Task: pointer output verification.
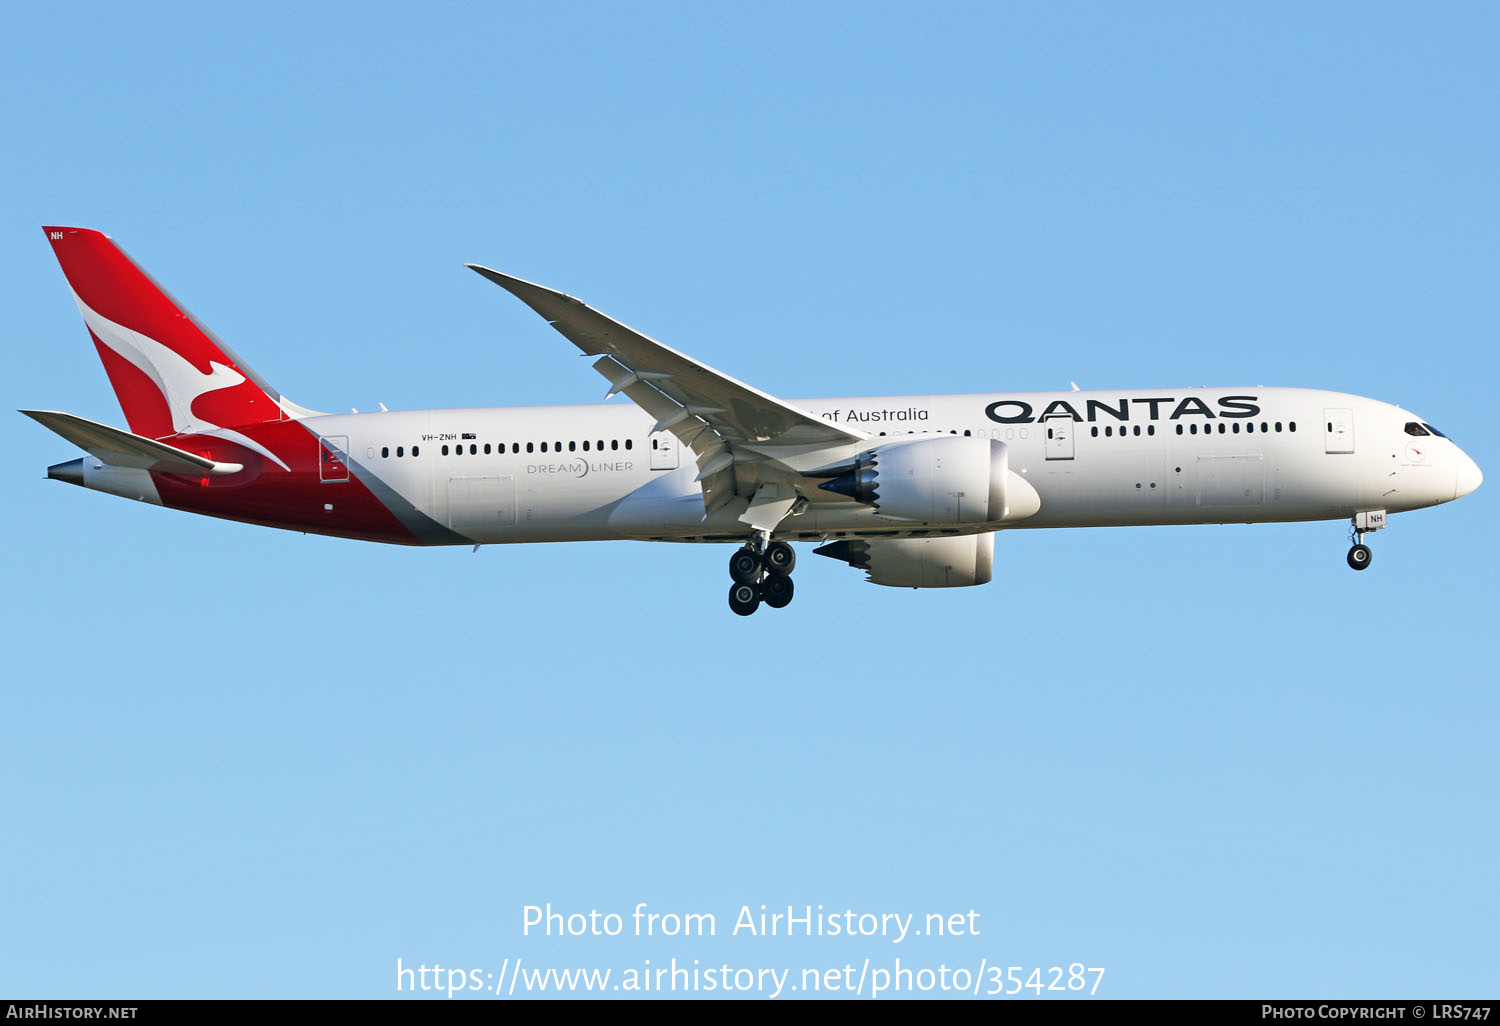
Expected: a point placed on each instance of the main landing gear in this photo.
(1360, 555)
(761, 573)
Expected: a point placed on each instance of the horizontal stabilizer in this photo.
(123, 449)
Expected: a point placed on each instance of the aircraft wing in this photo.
(123, 449)
(728, 424)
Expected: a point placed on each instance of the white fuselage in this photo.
(1170, 456)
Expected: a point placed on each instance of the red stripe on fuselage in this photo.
(265, 494)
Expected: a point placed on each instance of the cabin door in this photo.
(1059, 439)
(1338, 431)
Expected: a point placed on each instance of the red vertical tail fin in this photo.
(170, 373)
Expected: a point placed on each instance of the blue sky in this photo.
(1211, 760)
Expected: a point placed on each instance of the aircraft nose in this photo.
(1468, 476)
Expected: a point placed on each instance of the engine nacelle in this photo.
(919, 562)
(950, 479)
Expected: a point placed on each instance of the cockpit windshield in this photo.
(1413, 428)
(1434, 430)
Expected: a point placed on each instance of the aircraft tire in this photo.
(744, 566)
(744, 598)
(777, 591)
(780, 558)
(1359, 557)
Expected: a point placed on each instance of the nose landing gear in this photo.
(761, 573)
(1360, 555)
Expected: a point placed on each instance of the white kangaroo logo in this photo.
(179, 381)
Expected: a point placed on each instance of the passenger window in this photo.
(572, 446)
(531, 447)
(585, 445)
(614, 443)
(653, 443)
(1236, 427)
(486, 448)
(399, 451)
(1192, 429)
(1150, 429)
(473, 450)
(1094, 431)
(416, 451)
(385, 452)
(1291, 425)
(629, 443)
(1278, 426)
(445, 450)
(1179, 429)
(1138, 431)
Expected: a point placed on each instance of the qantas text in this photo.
(1018, 411)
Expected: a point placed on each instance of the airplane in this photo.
(910, 489)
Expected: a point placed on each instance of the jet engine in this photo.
(959, 562)
(950, 479)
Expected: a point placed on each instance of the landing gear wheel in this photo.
(780, 558)
(744, 599)
(744, 567)
(1359, 557)
(777, 591)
